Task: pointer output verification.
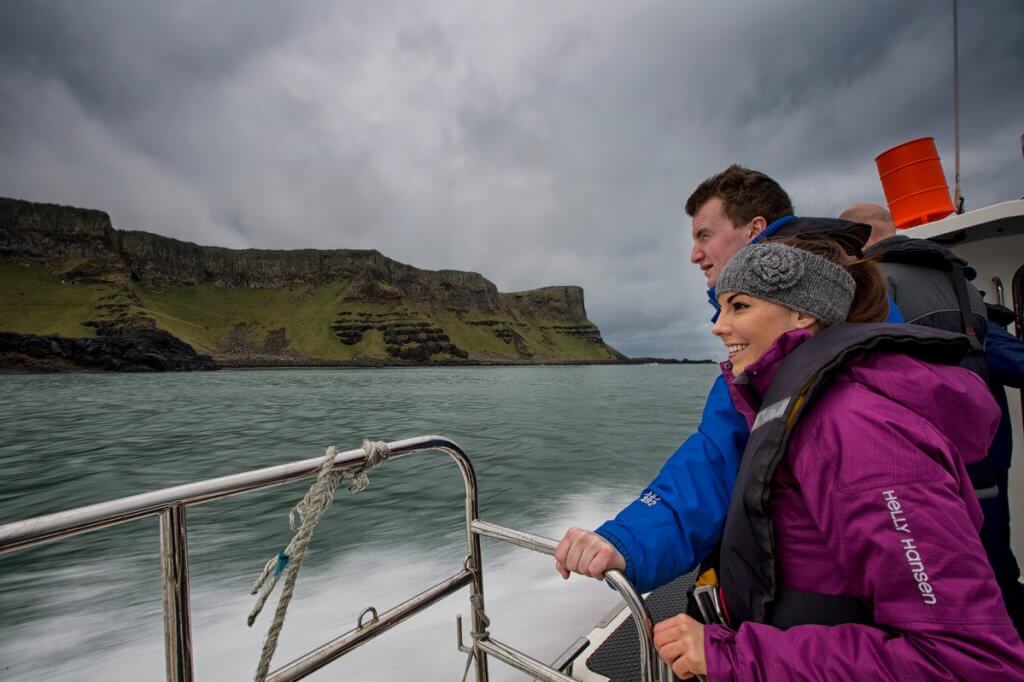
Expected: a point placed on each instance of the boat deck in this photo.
(618, 657)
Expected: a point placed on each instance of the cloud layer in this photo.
(536, 143)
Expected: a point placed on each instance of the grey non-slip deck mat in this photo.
(619, 657)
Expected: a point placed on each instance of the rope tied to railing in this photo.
(302, 519)
(476, 601)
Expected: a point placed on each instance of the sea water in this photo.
(552, 447)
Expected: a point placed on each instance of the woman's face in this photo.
(749, 325)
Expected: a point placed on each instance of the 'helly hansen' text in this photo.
(914, 560)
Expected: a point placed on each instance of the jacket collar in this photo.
(751, 384)
(773, 227)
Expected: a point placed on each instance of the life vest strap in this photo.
(796, 607)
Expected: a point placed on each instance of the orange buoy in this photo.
(914, 184)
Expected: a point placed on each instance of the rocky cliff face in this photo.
(566, 301)
(37, 233)
(378, 308)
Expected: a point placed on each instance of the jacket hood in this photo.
(921, 252)
(952, 400)
(851, 235)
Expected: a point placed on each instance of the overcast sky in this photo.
(538, 143)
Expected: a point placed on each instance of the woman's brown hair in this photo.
(871, 298)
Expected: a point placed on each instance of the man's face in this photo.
(716, 239)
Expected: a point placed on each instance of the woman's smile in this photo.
(735, 348)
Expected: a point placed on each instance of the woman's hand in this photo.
(680, 643)
(586, 553)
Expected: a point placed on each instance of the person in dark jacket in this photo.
(924, 278)
(870, 501)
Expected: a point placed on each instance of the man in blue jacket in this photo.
(678, 519)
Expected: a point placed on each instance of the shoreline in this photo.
(154, 350)
(553, 363)
(53, 369)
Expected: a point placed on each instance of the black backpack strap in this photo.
(956, 273)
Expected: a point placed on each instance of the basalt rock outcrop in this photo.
(405, 337)
(152, 351)
(316, 307)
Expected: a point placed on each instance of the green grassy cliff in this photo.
(68, 272)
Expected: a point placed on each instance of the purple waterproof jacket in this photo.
(872, 500)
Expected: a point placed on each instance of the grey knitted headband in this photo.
(791, 277)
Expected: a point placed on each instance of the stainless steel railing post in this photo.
(476, 593)
(174, 576)
(474, 562)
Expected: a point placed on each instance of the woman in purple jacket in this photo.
(868, 503)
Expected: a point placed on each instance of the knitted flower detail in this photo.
(777, 267)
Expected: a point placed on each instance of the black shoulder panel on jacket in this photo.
(852, 236)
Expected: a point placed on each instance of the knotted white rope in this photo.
(308, 511)
(477, 604)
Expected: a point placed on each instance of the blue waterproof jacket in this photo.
(678, 519)
(1004, 354)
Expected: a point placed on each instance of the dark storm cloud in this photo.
(537, 143)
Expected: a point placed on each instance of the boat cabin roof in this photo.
(984, 223)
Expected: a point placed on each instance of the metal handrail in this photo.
(72, 522)
(1000, 295)
(171, 504)
(633, 600)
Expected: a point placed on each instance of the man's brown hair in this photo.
(745, 194)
